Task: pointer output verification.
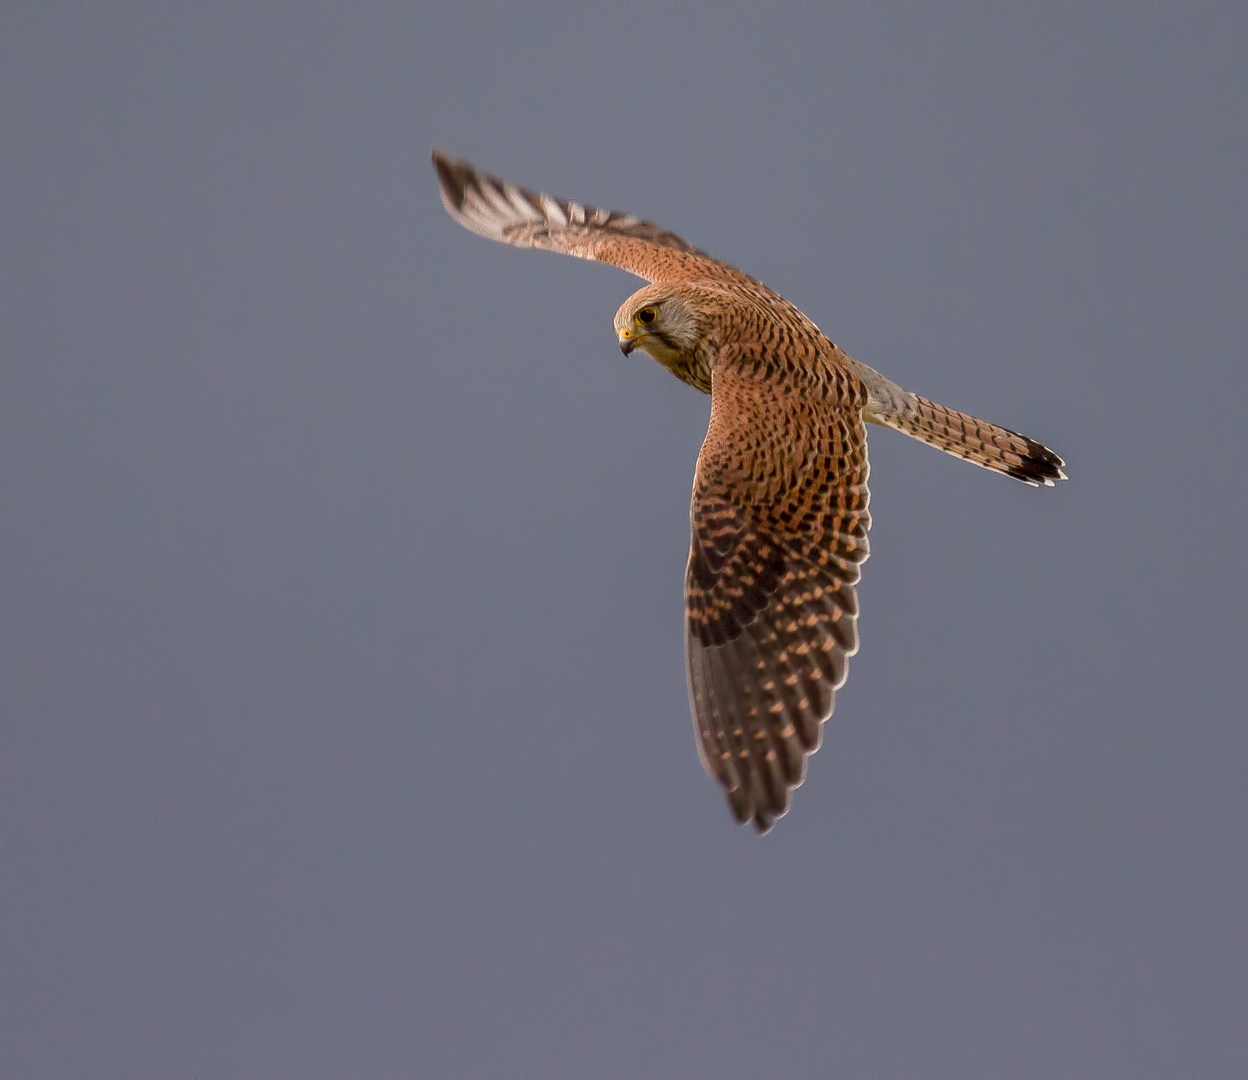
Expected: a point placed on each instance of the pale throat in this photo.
(688, 365)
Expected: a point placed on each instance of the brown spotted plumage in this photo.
(779, 514)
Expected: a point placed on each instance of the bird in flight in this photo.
(779, 513)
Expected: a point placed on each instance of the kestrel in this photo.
(779, 513)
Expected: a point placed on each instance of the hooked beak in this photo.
(628, 341)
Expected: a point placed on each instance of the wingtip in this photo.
(441, 161)
(438, 154)
(452, 179)
(444, 162)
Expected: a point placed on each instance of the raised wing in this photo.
(498, 210)
(779, 531)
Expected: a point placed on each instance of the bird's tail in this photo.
(979, 442)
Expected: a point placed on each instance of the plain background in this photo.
(346, 728)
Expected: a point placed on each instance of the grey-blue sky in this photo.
(347, 726)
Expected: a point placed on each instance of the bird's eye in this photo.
(646, 315)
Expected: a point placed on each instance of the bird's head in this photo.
(660, 321)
